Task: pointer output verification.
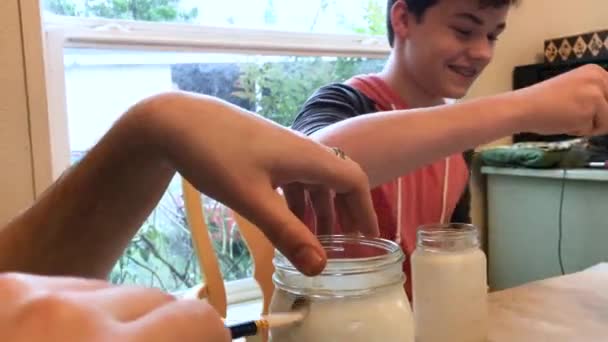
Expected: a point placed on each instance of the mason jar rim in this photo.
(391, 254)
(346, 273)
(430, 234)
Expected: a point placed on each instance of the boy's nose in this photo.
(481, 50)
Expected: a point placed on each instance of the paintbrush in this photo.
(274, 320)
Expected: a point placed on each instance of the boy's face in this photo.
(453, 42)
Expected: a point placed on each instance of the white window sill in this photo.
(244, 297)
(244, 300)
(243, 290)
(244, 311)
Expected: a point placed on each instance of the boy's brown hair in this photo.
(419, 7)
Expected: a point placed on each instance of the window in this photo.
(318, 16)
(104, 66)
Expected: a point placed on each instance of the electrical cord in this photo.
(560, 232)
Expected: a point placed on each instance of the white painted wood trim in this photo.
(48, 147)
(195, 38)
(57, 103)
(33, 53)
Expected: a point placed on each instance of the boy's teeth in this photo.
(464, 71)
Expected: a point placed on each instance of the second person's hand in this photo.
(58, 309)
(241, 159)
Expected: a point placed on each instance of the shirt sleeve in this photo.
(330, 104)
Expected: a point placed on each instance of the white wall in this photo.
(522, 43)
(16, 177)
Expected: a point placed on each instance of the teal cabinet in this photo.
(523, 213)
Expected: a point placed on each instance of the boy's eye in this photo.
(462, 32)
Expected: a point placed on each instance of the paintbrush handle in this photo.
(243, 329)
(251, 328)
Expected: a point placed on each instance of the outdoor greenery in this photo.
(147, 10)
(280, 88)
(162, 254)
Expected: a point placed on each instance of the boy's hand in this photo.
(574, 103)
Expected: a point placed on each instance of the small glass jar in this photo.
(359, 295)
(449, 284)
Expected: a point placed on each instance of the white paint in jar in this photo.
(358, 297)
(449, 284)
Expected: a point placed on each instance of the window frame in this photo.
(62, 32)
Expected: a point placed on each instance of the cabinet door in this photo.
(524, 227)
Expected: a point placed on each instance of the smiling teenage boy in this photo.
(439, 48)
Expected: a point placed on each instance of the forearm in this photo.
(83, 222)
(390, 144)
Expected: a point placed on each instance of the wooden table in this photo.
(567, 308)
(571, 308)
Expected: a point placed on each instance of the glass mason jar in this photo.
(449, 284)
(359, 295)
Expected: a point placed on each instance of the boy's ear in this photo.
(400, 19)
